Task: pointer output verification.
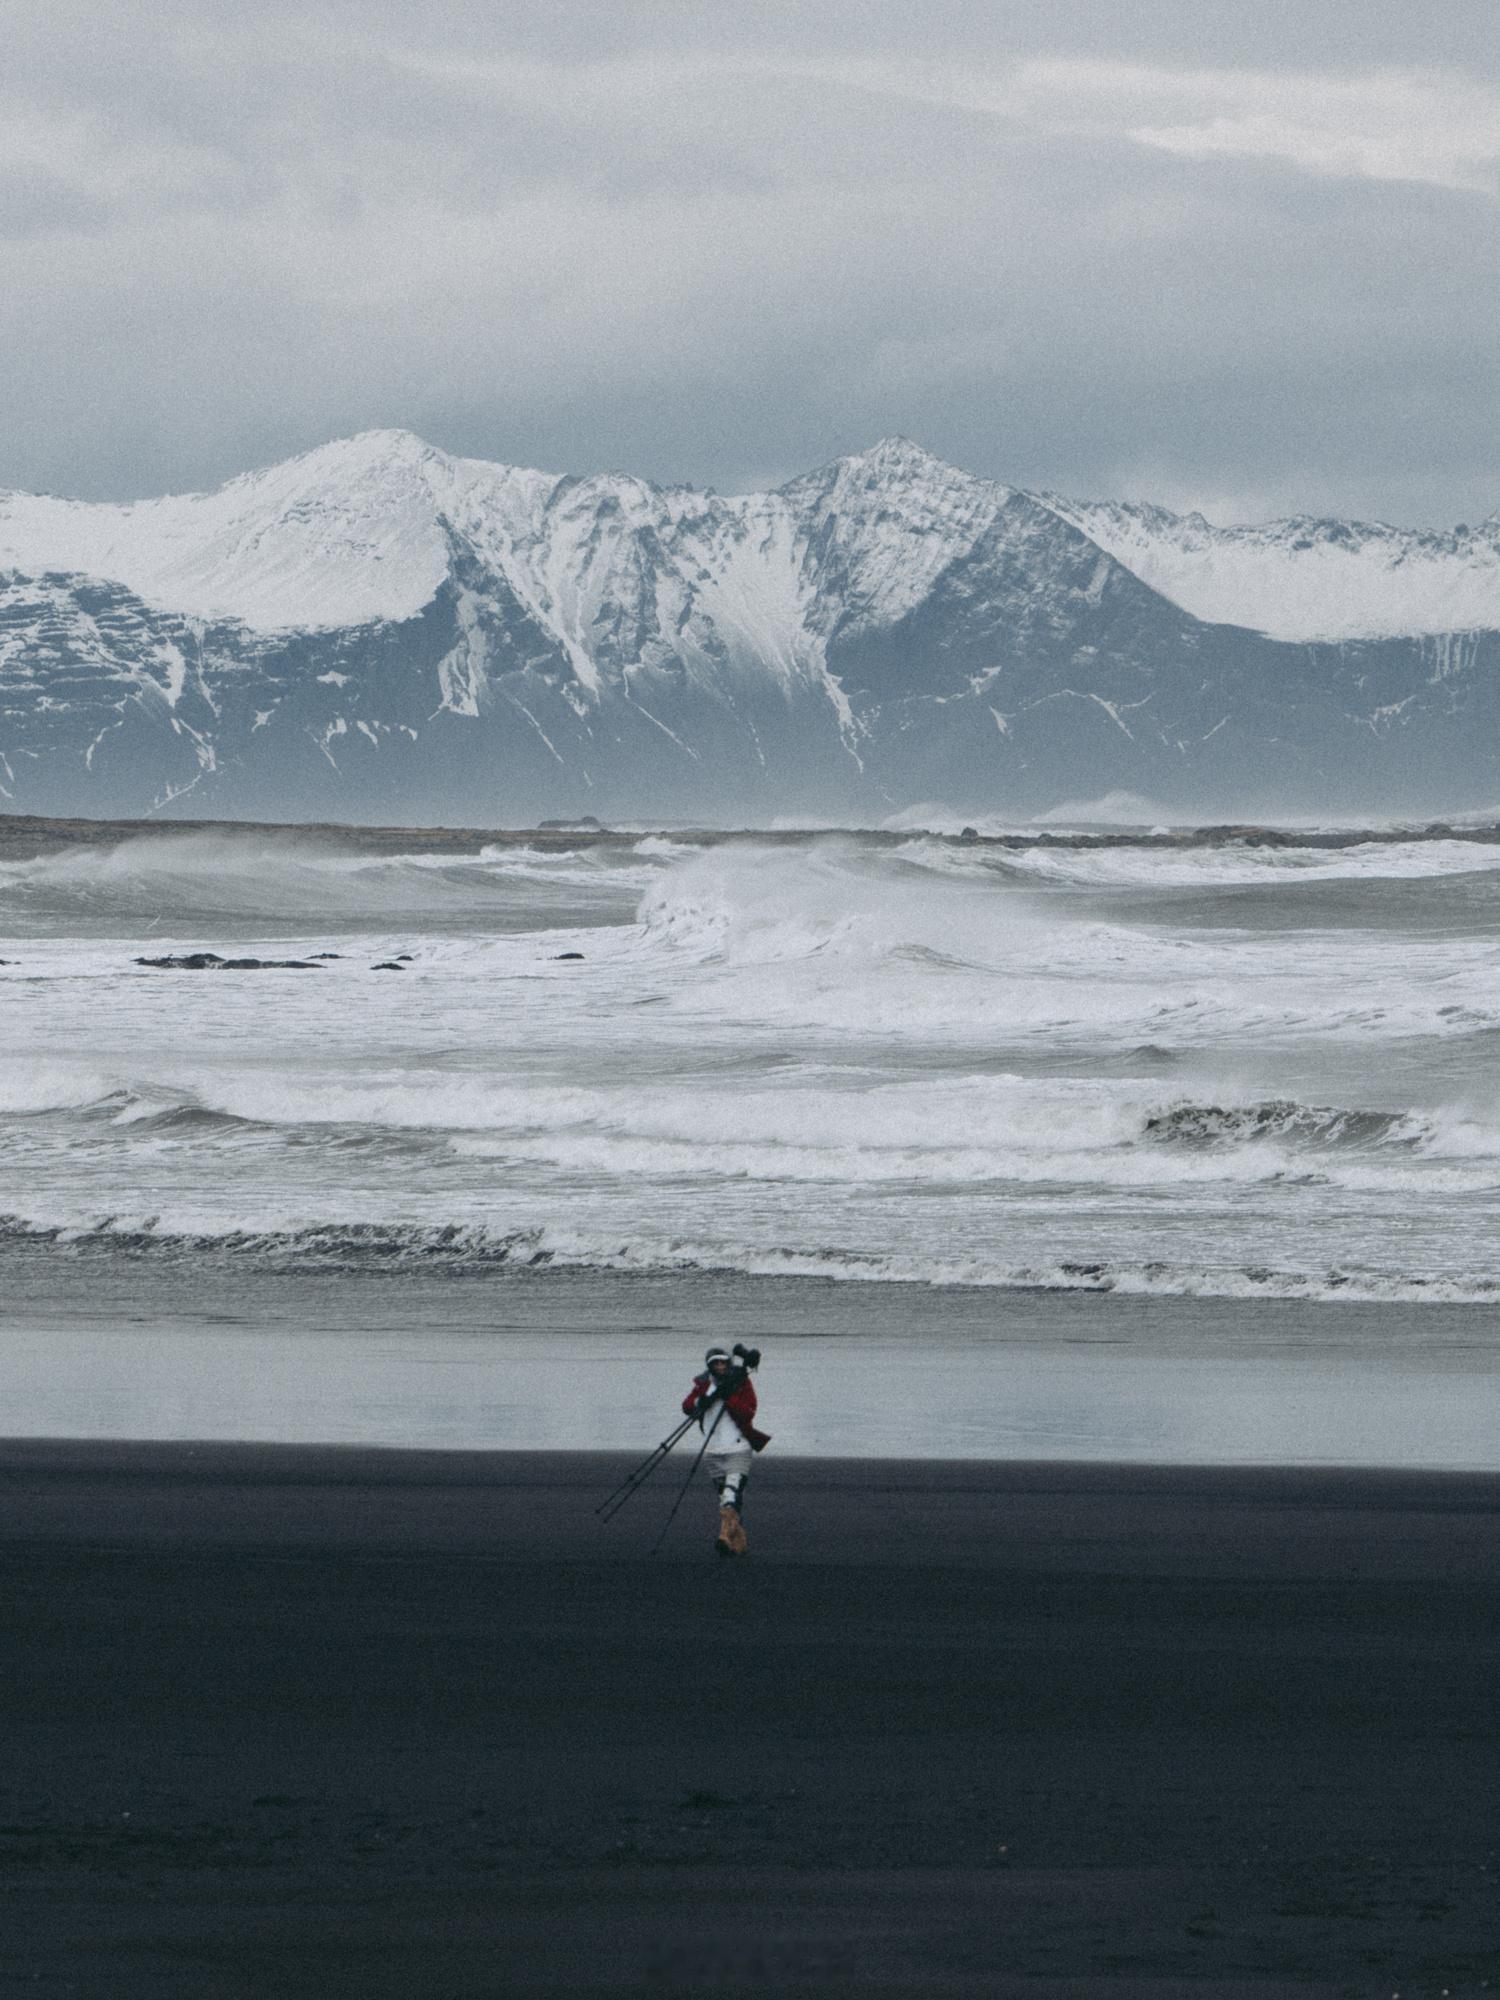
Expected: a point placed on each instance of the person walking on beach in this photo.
(723, 1401)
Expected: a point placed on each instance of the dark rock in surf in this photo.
(210, 961)
(388, 965)
(568, 954)
(969, 833)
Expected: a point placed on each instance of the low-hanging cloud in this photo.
(1064, 256)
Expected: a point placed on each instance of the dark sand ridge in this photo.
(290, 1721)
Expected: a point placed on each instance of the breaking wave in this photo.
(1283, 1121)
(461, 1250)
(1220, 865)
(898, 1060)
(1131, 1131)
(297, 879)
(939, 940)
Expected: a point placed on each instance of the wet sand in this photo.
(288, 1720)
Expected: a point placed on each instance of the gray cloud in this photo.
(1238, 266)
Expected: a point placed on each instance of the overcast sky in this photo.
(1232, 254)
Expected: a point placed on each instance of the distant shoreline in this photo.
(23, 835)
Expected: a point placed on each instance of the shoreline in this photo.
(130, 1347)
(336, 1721)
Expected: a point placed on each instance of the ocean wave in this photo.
(661, 847)
(471, 1250)
(932, 940)
(1124, 810)
(944, 1131)
(710, 899)
(31, 1090)
(301, 878)
(832, 900)
(1227, 865)
(908, 1052)
(1284, 1121)
(310, 1246)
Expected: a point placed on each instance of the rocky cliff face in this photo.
(380, 631)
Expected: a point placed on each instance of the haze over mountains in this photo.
(379, 631)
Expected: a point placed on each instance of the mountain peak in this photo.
(359, 530)
(366, 451)
(359, 628)
(899, 454)
(896, 463)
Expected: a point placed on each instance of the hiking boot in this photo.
(728, 1522)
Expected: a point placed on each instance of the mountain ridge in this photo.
(378, 626)
(1385, 590)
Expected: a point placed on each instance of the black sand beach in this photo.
(288, 1720)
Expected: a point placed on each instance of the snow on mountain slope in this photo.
(1306, 580)
(341, 536)
(621, 570)
(379, 630)
(620, 574)
(883, 525)
(366, 529)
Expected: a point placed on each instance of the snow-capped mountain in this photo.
(1305, 579)
(378, 629)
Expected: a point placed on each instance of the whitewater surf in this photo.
(1260, 1072)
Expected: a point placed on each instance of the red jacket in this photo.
(741, 1406)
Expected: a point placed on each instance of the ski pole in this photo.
(611, 1505)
